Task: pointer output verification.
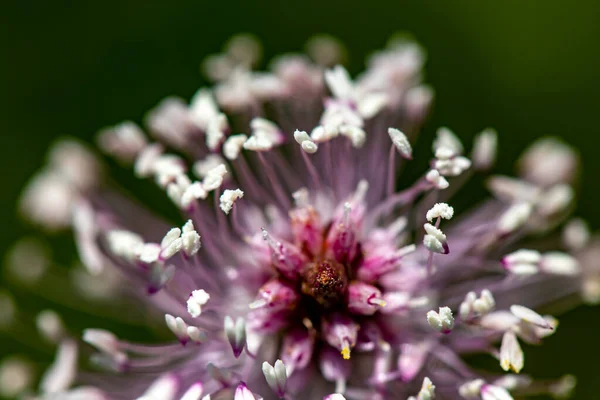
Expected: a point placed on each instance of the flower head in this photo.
(296, 255)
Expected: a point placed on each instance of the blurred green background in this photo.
(526, 68)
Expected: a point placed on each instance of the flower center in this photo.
(326, 281)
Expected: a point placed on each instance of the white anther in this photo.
(124, 141)
(514, 218)
(190, 239)
(446, 138)
(194, 392)
(309, 146)
(276, 376)
(228, 198)
(452, 166)
(103, 340)
(492, 392)
(339, 83)
(333, 396)
(243, 393)
(485, 148)
(477, 306)
(254, 143)
(61, 374)
(559, 263)
(549, 161)
(401, 142)
(427, 391)
(440, 210)
(441, 321)
(194, 192)
(176, 190)
(203, 167)
(170, 245)
(511, 355)
(300, 136)
(214, 178)
(236, 334)
(50, 326)
(265, 129)
(124, 244)
(530, 316)
(165, 387)
(197, 299)
(196, 334)
(576, 234)
(177, 325)
(435, 240)
(215, 132)
(470, 390)
(322, 134)
(203, 108)
(370, 104)
(168, 168)
(301, 198)
(438, 181)
(233, 146)
(356, 135)
(555, 200)
(523, 256)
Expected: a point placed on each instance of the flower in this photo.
(296, 256)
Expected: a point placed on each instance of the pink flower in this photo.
(297, 269)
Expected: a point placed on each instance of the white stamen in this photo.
(194, 392)
(511, 355)
(194, 192)
(203, 108)
(215, 132)
(236, 334)
(254, 143)
(492, 392)
(441, 321)
(339, 82)
(124, 141)
(559, 263)
(196, 335)
(356, 135)
(61, 374)
(276, 376)
(440, 210)
(177, 326)
(438, 181)
(301, 197)
(370, 104)
(197, 299)
(263, 128)
(214, 178)
(124, 244)
(484, 149)
(529, 316)
(309, 146)
(576, 234)
(233, 146)
(190, 239)
(470, 390)
(50, 326)
(447, 138)
(102, 340)
(401, 142)
(427, 391)
(163, 388)
(322, 134)
(514, 218)
(301, 136)
(228, 198)
(555, 200)
(435, 240)
(205, 166)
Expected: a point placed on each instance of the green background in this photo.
(526, 68)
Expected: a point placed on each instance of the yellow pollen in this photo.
(346, 352)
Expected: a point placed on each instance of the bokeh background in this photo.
(526, 68)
